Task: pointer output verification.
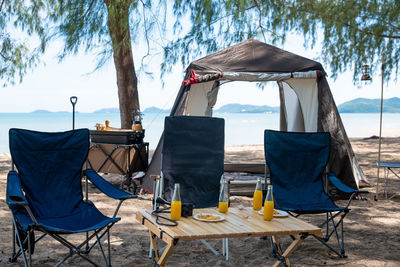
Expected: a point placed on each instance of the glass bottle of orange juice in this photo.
(176, 204)
(269, 205)
(258, 196)
(223, 197)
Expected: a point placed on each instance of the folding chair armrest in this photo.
(344, 188)
(14, 195)
(106, 187)
(341, 186)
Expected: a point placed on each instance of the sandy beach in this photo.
(371, 229)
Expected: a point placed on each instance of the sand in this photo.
(371, 229)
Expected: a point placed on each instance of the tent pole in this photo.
(380, 131)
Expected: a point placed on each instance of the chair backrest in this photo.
(297, 163)
(193, 156)
(50, 166)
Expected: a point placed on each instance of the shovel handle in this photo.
(73, 100)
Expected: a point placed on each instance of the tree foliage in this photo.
(109, 27)
(353, 32)
(83, 24)
(20, 23)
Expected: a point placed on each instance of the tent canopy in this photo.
(254, 56)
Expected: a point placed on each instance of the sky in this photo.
(50, 85)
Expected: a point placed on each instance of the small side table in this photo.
(389, 167)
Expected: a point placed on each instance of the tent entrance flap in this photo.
(301, 104)
(199, 100)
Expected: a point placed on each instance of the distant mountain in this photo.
(365, 105)
(156, 110)
(239, 108)
(107, 110)
(43, 111)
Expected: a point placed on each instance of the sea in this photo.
(240, 128)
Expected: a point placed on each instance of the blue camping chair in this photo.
(193, 156)
(297, 164)
(45, 194)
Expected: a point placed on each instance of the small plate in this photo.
(280, 215)
(219, 217)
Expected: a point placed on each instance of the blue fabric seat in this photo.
(45, 194)
(297, 164)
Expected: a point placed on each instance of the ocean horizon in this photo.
(240, 128)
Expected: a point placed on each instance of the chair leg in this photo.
(78, 249)
(109, 248)
(337, 226)
(29, 247)
(17, 238)
(13, 255)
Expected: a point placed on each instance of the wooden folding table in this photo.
(237, 223)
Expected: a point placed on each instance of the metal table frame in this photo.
(389, 167)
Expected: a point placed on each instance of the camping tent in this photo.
(306, 102)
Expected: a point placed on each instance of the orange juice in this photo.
(176, 210)
(268, 210)
(223, 207)
(257, 200)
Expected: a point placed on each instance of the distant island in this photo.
(358, 105)
(229, 108)
(365, 105)
(156, 110)
(238, 108)
(107, 110)
(43, 111)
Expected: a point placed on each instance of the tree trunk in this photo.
(118, 26)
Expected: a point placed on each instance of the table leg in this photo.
(289, 250)
(168, 250)
(171, 243)
(153, 243)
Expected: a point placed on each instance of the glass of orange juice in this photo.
(269, 205)
(223, 197)
(257, 196)
(176, 204)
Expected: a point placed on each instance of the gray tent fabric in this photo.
(253, 56)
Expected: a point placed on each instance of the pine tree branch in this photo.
(364, 31)
(391, 25)
(90, 6)
(372, 33)
(259, 20)
(5, 57)
(396, 27)
(146, 35)
(229, 15)
(1, 6)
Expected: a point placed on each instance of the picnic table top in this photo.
(238, 223)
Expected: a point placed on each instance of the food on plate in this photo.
(208, 217)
